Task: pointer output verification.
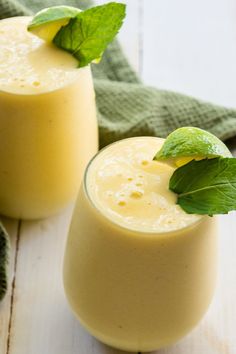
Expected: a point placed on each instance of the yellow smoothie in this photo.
(139, 272)
(48, 126)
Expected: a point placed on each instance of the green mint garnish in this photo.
(87, 35)
(207, 186)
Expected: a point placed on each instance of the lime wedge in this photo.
(47, 22)
(190, 143)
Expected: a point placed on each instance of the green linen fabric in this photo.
(4, 250)
(125, 106)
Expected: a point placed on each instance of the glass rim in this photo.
(117, 224)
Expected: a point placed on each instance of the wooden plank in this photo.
(6, 304)
(42, 321)
(189, 46)
(130, 32)
(49, 326)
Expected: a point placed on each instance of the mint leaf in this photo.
(207, 186)
(87, 35)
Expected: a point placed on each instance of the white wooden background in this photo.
(184, 45)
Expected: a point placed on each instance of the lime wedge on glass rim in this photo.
(47, 22)
(190, 143)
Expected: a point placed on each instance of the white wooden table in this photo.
(184, 45)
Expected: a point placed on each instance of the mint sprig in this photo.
(87, 35)
(207, 186)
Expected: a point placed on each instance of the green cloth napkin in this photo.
(4, 248)
(125, 106)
